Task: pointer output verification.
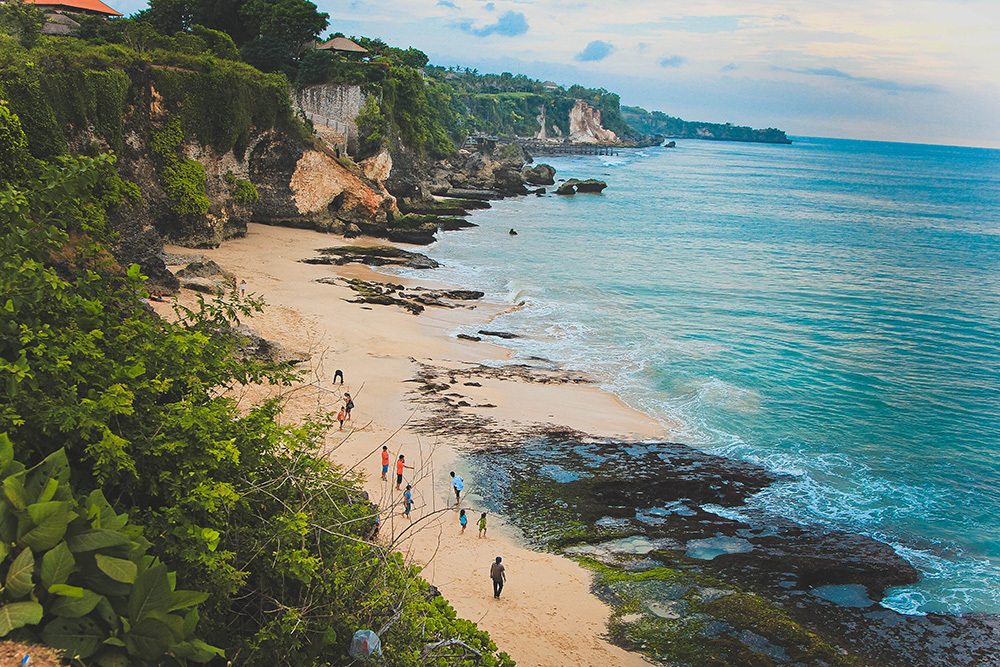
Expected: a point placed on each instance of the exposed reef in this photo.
(413, 299)
(696, 574)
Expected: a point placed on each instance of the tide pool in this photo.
(830, 309)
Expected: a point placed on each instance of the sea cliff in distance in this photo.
(657, 122)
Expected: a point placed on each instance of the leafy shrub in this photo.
(245, 508)
(78, 576)
(245, 193)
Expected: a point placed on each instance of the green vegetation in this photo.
(245, 193)
(183, 180)
(657, 122)
(78, 577)
(102, 400)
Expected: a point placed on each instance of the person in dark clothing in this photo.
(499, 575)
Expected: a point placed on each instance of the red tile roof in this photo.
(78, 5)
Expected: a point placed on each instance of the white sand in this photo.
(546, 615)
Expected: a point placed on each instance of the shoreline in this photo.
(422, 392)
(378, 348)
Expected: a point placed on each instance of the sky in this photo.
(893, 70)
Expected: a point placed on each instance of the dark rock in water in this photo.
(512, 232)
(468, 337)
(453, 224)
(540, 174)
(414, 236)
(499, 334)
(573, 186)
(670, 144)
(591, 185)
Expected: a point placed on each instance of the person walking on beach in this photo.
(243, 289)
(482, 525)
(464, 520)
(400, 464)
(407, 502)
(340, 418)
(458, 484)
(385, 461)
(348, 404)
(499, 575)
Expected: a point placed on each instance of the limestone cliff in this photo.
(585, 125)
(298, 182)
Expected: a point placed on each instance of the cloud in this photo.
(447, 3)
(596, 50)
(729, 68)
(886, 85)
(642, 47)
(672, 61)
(510, 24)
(489, 6)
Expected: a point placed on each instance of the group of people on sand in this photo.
(498, 572)
(242, 288)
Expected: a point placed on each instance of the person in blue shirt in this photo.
(458, 483)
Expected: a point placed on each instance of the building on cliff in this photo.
(87, 7)
(341, 45)
(59, 13)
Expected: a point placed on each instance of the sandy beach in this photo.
(546, 614)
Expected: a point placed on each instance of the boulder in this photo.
(252, 345)
(202, 269)
(541, 174)
(572, 186)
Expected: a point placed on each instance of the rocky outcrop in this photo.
(467, 175)
(585, 125)
(572, 186)
(251, 345)
(539, 174)
(372, 256)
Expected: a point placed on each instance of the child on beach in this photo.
(243, 289)
(462, 519)
(482, 525)
(340, 418)
(400, 464)
(458, 485)
(407, 502)
(385, 456)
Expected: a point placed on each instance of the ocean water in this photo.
(830, 309)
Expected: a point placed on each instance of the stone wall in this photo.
(332, 109)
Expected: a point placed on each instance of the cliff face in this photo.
(311, 188)
(298, 184)
(585, 125)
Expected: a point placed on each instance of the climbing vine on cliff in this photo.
(183, 180)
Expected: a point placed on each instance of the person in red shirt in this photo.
(385, 461)
(400, 464)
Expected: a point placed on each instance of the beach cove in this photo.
(378, 349)
(392, 362)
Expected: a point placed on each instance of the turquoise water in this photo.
(830, 309)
